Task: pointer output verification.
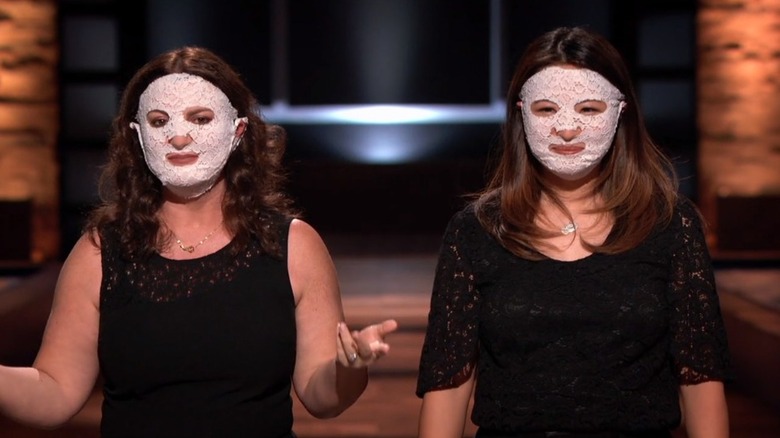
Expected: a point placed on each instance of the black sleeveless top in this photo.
(597, 344)
(202, 347)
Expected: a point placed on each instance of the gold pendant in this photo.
(190, 249)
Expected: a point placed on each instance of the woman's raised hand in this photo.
(358, 349)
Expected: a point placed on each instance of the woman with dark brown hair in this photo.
(575, 294)
(195, 292)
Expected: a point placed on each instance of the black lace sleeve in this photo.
(699, 347)
(450, 348)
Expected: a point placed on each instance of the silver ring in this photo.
(352, 357)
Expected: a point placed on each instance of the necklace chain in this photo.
(191, 248)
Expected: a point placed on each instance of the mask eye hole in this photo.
(199, 115)
(544, 108)
(591, 107)
(157, 119)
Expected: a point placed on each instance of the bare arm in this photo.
(58, 384)
(325, 380)
(443, 412)
(704, 410)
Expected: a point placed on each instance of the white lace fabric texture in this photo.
(212, 142)
(566, 88)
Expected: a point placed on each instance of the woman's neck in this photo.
(571, 192)
(204, 210)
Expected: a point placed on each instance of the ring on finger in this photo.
(352, 357)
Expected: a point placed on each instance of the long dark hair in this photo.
(636, 181)
(253, 175)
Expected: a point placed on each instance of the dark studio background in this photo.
(393, 110)
(305, 59)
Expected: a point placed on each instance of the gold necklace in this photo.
(191, 248)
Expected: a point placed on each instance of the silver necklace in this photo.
(569, 228)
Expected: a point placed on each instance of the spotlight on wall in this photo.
(386, 144)
(282, 113)
(385, 114)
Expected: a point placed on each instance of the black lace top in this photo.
(600, 343)
(196, 348)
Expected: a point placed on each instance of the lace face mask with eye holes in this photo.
(182, 105)
(565, 91)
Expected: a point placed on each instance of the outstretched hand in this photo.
(358, 349)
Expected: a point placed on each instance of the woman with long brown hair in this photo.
(195, 291)
(575, 296)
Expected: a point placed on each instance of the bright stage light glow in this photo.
(282, 113)
(383, 114)
(383, 152)
(387, 145)
(382, 134)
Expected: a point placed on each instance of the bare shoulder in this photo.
(82, 269)
(308, 260)
(303, 238)
(85, 252)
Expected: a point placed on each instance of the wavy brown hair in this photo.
(636, 180)
(131, 195)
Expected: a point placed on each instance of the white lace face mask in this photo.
(203, 122)
(568, 97)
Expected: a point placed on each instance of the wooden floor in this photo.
(374, 287)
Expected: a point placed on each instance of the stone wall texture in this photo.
(738, 101)
(29, 116)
